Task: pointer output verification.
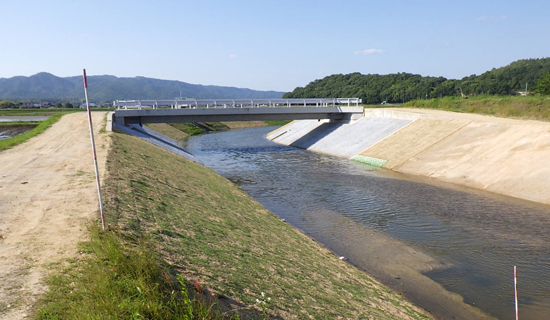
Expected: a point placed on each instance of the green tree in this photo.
(543, 84)
(399, 87)
(6, 104)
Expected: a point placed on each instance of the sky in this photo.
(268, 45)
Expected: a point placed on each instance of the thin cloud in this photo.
(369, 52)
(487, 18)
(232, 56)
(446, 44)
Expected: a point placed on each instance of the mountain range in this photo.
(46, 86)
(518, 76)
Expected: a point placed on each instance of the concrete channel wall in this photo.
(500, 155)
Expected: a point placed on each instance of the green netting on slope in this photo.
(374, 162)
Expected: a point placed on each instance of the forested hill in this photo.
(373, 88)
(106, 88)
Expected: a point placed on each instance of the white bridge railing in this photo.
(232, 103)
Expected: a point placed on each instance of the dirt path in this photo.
(47, 194)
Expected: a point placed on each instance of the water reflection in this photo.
(477, 236)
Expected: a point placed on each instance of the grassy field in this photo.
(232, 253)
(530, 107)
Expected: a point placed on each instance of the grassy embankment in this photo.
(181, 131)
(167, 217)
(41, 127)
(530, 107)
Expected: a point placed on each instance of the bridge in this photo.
(219, 110)
(232, 103)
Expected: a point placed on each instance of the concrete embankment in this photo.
(505, 156)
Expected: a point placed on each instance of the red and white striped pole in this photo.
(516, 291)
(93, 150)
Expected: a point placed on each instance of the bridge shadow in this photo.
(315, 135)
(155, 138)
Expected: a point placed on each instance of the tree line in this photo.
(402, 87)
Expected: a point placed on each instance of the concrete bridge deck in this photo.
(334, 114)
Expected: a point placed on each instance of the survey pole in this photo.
(93, 150)
(516, 292)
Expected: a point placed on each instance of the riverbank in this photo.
(532, 107)
(197, 224)
(213, 233)
(500, 155)
(47, 196)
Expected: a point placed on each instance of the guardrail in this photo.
(232, 103)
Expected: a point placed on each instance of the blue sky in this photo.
(268, 45)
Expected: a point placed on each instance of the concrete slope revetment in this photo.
(505, 156)
(345, 140)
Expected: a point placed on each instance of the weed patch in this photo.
(116, 279)
(277, 122)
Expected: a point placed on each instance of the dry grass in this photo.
(527, 108)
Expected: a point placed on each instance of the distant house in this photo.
(30, 105)
(26, 105)
(521, 93)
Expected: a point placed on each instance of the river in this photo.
(389, 224)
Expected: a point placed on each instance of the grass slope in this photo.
(213, 233)
(116, 279)
(531, 107)
(182, 131)
(168, 131)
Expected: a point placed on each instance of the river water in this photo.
(465, 240)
